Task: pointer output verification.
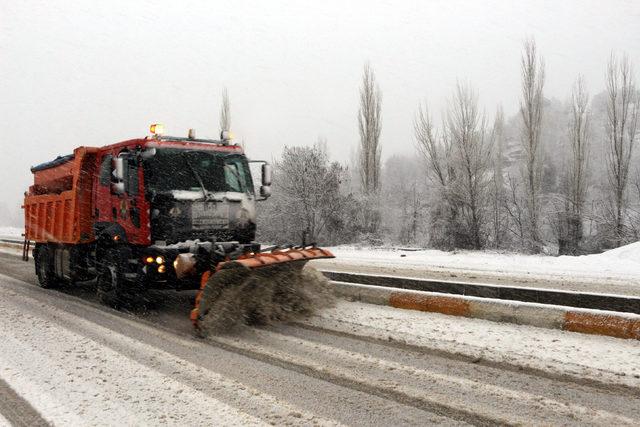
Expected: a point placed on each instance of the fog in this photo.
(76, 73)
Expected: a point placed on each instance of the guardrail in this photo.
(26, 246)
(16, 241)
(627, 304)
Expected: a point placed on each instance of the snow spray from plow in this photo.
(259, 288)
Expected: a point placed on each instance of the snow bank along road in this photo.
(616, 271)
(67, 360)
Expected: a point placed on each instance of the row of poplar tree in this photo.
(558, 176)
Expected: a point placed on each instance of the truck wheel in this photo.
(110, 283)
(44, 268)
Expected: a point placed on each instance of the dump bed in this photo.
(58, 206)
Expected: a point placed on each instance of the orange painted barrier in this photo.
(435, 304)
(602, 324)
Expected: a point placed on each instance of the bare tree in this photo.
(498, 196)
(622, 119)
(459, 163)
(636, 185)
(514, 205)
(532, 71)
(472, 153)
(436, 150)
(579, 140)
(634, 217)
(306, 198)
(225, 112)
(411, 212)
(370, 126)
(571, 233)
(403, 192)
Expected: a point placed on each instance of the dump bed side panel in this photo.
(58, 208)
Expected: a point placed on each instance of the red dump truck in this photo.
(151, 212)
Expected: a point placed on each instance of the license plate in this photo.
(209, 215)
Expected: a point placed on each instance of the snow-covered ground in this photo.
(623, 261)
(559, 352)
(614, 271)
(11, 232)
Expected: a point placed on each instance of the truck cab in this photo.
(165, 191)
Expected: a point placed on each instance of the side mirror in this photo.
(148, 153)
(266, 176)
(117, 187)
(118, 169)
(265, 191)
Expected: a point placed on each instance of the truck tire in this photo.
(110, 283)
(115, 286)
(44, 267)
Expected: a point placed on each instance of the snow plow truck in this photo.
(155, 212)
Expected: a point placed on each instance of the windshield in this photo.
(176, 169)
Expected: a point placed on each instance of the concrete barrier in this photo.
(590, 300)
(599, 322)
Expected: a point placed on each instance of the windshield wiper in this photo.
(197, 175)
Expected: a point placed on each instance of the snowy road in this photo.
(73, 361)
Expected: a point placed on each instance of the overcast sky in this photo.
(93, 73)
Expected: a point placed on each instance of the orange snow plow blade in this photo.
(256, 287)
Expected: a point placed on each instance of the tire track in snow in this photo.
(90, 329)
(569, 371)
(74, 380)
(104, 326)
(175, 377)
(16, 411)
(471, 400)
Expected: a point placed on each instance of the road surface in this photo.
(65, 359)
